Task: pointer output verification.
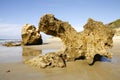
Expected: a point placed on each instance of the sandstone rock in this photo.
(52, 26)
(50, 59)
(98, 39)
(30, 35)
(12, 43)
(95, 39)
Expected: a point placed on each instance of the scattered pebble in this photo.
(8, 71)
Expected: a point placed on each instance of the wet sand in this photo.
(78, 70)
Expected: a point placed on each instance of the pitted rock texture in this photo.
(51, 59)
(95, 39)
(30, 35)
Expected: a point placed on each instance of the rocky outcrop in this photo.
(48, 60)
(30, 35)
(12, 43)
(96, 39)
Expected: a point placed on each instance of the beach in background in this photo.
(12, 65)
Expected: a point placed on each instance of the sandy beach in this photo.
(12, 66)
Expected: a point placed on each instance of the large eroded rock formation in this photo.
(95, 39)
(30, 35)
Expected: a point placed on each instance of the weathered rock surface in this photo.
(96, 39)
(30, 35)
(51, 59)
(12, 43)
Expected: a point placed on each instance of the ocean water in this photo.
(15, 53)
(10, 54)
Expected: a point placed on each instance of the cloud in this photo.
(10, 31)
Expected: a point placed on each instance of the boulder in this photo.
(30, 35)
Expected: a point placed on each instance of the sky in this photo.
(15, 13)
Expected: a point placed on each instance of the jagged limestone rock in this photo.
(52, 26)
(50, 59)
(30, 35)
(96, 39)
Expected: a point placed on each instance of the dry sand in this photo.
(78, 70)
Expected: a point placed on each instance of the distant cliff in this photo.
(116, 26)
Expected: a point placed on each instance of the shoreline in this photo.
(78, 70)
